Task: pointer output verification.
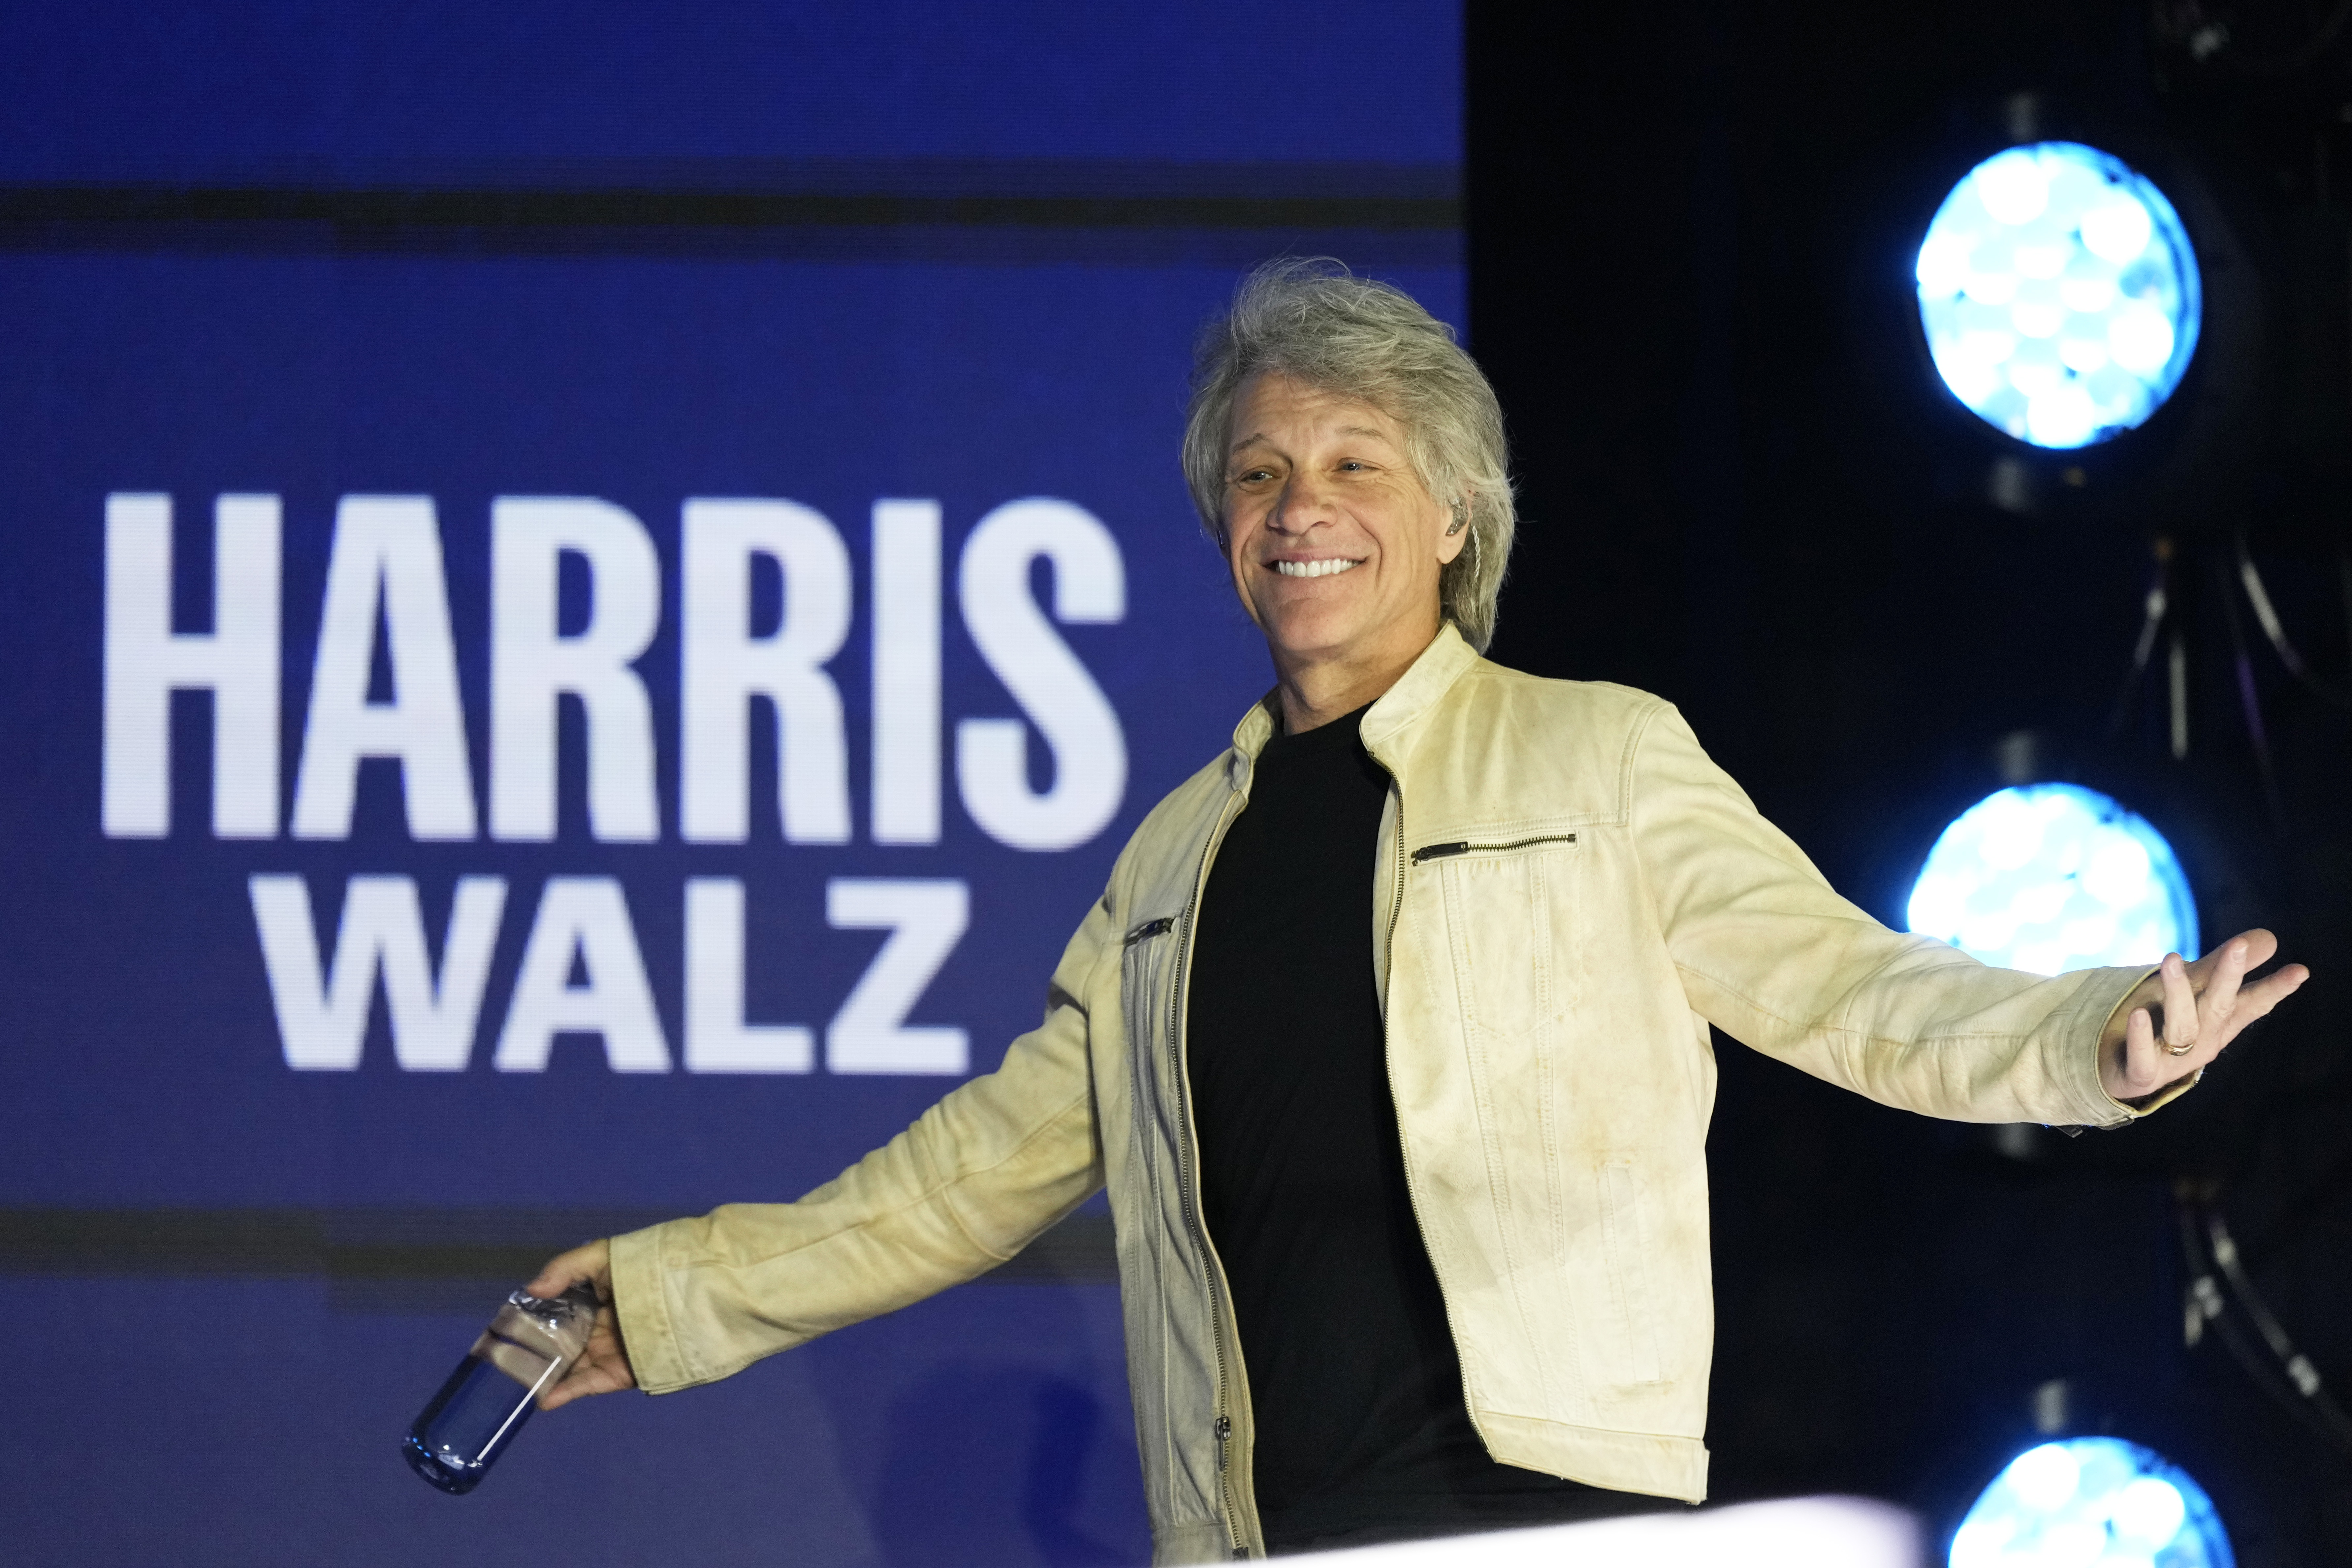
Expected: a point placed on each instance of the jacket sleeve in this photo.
(1771, 955)
(977, 1177)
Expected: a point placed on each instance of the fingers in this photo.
(2260, 946)
(581, 1382)
(590, 1377)
(603, 1368)
(2139, 1057)
(2180, 1005)
(2221, 998)
(592, 1263)
(2204, 1005)
(2256, 1000)
(2226, 1005)
(2232, 961)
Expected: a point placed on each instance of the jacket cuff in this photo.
(641, 1301)
(2111, 1030)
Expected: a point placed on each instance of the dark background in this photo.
(1691, 230)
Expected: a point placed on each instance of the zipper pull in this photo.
(1440, 852)
(1150, 928)
(1224, 1430)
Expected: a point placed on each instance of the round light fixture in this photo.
(2060, 294)
(2052, 877)
(2091, 1502)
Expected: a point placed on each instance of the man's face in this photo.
(1335, 546)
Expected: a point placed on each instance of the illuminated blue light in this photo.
(2060, 294)
(2052, 877)
(2091, 1502)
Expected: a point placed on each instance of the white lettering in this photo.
(322, 1017)
(387, 562)
(585, 918)
(533, 664)
(716, 1038)
(1080, 728)
(925, 919)
(723, 668)
(146, 662)
(905, 730)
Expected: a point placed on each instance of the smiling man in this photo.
(1390, 1035)
(1336, 546)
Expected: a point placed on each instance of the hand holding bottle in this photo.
(604, 1367)
(530, 1345)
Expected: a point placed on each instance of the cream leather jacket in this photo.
(1568, 893)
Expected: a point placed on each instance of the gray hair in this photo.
(1317, 322)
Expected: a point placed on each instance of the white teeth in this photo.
(1331, 568)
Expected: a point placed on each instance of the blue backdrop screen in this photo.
(626, 399)
(585, 600)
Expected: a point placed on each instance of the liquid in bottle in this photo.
(526, 1349)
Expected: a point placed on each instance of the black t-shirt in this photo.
(1361, 1426)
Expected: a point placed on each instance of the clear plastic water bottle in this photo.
(526, 1349)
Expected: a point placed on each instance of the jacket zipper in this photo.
(1464, 846)
(1388, 972)
(1182, 1086)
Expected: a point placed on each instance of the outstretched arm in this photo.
(978, 1175)
(1770, 953)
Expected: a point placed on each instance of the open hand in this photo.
(604, 1367)
(2181, 1016)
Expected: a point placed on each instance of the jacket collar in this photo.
(1445, 661)
(1429, 678)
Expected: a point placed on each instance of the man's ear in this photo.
(1456, 538)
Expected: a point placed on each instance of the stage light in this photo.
(2060, 294)
(2091, 1502)
(2052, 877)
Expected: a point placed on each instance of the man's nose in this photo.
(1305, 501)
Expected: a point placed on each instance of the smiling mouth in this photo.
(1331, 568)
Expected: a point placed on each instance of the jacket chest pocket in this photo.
(1510, 915)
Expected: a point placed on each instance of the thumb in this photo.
(591, 1264)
